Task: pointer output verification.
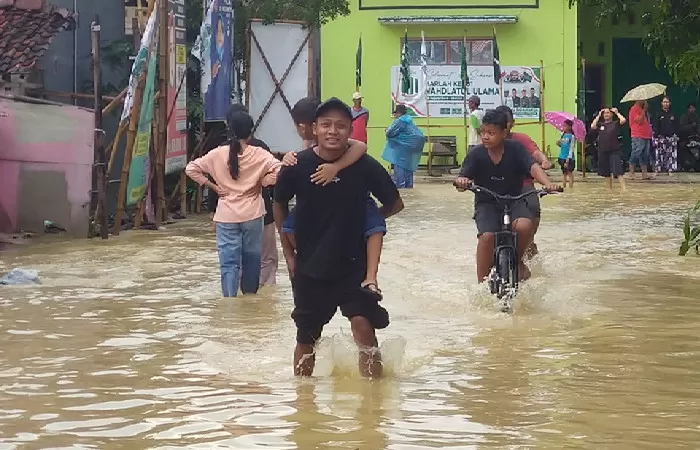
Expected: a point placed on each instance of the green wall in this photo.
(545, 33)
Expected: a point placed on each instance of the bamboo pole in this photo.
(101, 177)
(114, 144)
(128, 153)
(542, 123)
(116, 101)
(582, 93)
(161, 143)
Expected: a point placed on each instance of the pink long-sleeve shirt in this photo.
(244, 202)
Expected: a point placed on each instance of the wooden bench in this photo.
(443, 157)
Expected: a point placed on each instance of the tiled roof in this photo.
(26, 31)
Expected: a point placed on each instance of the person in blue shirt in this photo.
(567, 158)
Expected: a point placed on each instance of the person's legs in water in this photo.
(488, 221)
(252, 232)
(526, 233)
(229, 246)
(616, 170)
(375, 229)
(270, 258)
(635, 156)
(533, 204)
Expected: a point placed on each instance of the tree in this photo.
(673, 38)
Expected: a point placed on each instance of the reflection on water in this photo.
(127, 344)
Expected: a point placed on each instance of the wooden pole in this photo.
(99, 132)
(161, 143)
(582, 94)
(115, 102)
(128, 153)
(542, 127)
(430, 140)
(114, 144)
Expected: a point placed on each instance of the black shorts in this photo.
(489, 216)
(566, 167)
(532, 201)
(610, 164)
(316, 302)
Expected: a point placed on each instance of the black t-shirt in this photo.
(608, 136)
(330, 220)
(665, 124)
(267, 192)
(506, 177)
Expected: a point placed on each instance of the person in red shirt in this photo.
(533, 201)
(641, 138)
(360, 119)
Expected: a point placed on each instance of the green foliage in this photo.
(691, 231)
(673, 35)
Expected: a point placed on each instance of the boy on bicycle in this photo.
(500, 165)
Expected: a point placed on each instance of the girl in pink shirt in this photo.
(239, 171)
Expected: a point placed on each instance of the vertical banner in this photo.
(216, 51)
(176, 156)
(140, 63)
(136, 188)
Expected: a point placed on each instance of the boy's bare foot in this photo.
(524, 272)
(372, 288)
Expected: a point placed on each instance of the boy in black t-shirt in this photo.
(328, 262)
(500, 165)
(304, 115)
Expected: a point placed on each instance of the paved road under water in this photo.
(128, 345)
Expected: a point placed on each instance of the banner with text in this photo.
(445, 93)
(139, 169)
(176, 156)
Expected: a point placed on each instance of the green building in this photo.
(547, 47)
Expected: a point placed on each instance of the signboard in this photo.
(138, 171)
(444, 4)
(176, 156)
(444, 93)
(214, 49)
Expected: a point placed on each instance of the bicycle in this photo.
(504, 277)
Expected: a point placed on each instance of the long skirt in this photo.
(666, 148)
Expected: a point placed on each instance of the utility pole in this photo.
(99, 171)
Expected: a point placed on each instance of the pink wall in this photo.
(46, 157)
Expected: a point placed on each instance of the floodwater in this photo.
(128, 345)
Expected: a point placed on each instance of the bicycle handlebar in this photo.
(479, 189)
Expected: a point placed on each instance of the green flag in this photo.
(358, 65)
(405, 67)
(463, 74)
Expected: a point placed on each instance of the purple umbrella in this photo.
(557, 119)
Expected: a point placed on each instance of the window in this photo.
(449, 51)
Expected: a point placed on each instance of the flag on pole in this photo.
(405, 67)
(202, 48)
(423, 61)
(463, 73)
(496, 60)
(358, 65)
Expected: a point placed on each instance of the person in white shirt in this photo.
(476, 114)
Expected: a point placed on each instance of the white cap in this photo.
(356, 96)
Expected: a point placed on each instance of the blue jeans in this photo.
(641, 152)
(402, 178)
(240, 247)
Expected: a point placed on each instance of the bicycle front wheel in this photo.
(507, 269)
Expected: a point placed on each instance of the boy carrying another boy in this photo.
(303, 114)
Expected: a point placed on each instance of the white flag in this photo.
(141, 61)
(424, 61)
(202, 48)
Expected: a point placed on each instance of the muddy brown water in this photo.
(126, 344)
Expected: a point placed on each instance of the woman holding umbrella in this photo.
(573, 129)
